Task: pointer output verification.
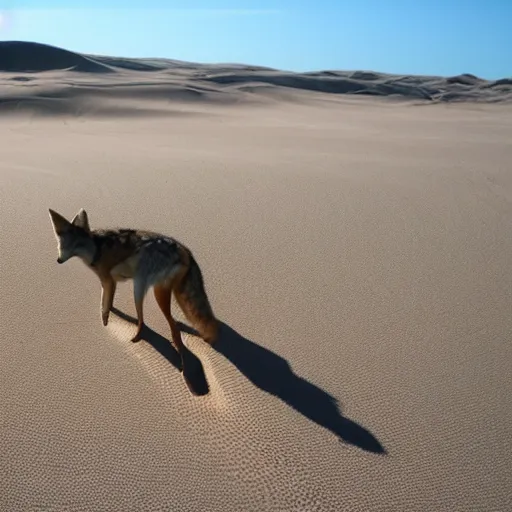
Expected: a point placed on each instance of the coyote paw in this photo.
(138, 335)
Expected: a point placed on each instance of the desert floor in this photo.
(358, 253)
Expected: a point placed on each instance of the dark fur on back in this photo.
(127, 238)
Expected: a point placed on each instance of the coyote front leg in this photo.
(108, 290)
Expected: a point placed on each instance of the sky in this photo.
(435, 37)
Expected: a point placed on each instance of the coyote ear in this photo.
(81, 220)
(59, 223)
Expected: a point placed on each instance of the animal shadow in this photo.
(192, 368)
(271, 373)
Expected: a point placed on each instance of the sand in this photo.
(356, 249)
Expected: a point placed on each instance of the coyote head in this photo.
(73, 238)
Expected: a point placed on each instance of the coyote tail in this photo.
(193, 300)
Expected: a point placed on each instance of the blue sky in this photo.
(444, 37)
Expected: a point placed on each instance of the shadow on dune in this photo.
(271, 373)
(192, 368)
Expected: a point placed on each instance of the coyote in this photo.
(150, 259)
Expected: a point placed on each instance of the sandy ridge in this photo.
(26, 69)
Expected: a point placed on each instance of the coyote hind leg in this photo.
(163, 299)
(191, 368)
(139, 292)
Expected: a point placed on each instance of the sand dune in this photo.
(21, 56)
(40, 78)
(356, 250)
